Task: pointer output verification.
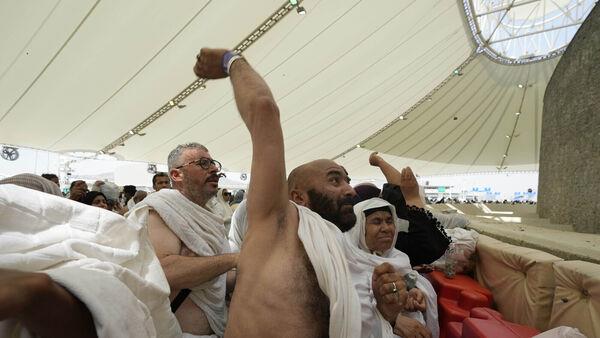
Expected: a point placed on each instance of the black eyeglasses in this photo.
(204, 163)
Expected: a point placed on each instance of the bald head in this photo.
(323, 186)
(303, 177)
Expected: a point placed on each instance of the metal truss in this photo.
(520, 32)
(264, 27)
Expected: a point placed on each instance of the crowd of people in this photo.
(307, 255)
(443, 200)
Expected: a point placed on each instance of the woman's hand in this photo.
(410, 328)
(415, 301)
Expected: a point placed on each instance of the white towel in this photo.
(202, 232)
(239, 226)
(321, 240)
(99, 256)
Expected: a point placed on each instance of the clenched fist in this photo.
(209, 63)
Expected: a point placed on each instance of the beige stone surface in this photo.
(564, 244)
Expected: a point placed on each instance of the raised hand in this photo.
(209, 63)
(375, 159)
(389, 290)
(415, 301)
(410, 188)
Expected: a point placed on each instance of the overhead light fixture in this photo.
(299, 9)
(101, 152)
(457, 72)
(401, 117)
(358, 146)
(507, 136)
(429, 99)
(131, 132)
(520, 85)
(203, 86)
(455, 118)
(518, 113)
(171, 103)
(504, 155)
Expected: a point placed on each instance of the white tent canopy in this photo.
(80, 74)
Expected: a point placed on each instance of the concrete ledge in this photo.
(564, 244)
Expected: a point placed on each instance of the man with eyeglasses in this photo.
(190, 241)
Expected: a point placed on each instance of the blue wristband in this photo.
(226, 59)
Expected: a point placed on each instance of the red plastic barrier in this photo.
(450, 288)
(454, 330)
(487, 323)
(451, 310)
(494, 328)
(456, 297)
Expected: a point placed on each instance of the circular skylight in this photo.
(523, 31)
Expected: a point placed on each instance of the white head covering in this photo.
(357, 235)
(362, 262)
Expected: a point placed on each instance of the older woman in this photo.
(370, 243)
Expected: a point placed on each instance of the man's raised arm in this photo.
(267, 197)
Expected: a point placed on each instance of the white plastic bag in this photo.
(561, 332)
(459, 255)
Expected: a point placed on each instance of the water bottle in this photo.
(411, 279)
(450, 266)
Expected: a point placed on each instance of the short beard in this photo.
(331, 210)
(197, 194)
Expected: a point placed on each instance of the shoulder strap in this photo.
(181, 296)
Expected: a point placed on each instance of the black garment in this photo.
(426, 240)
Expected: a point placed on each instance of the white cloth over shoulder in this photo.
(321, 240)
(362, 262)
(203, 233)
(239, 227)
(100, 257)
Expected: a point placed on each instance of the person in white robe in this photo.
(190, 240)
(239, 226)
(362, 259)
(203, 233)
(101, 258)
